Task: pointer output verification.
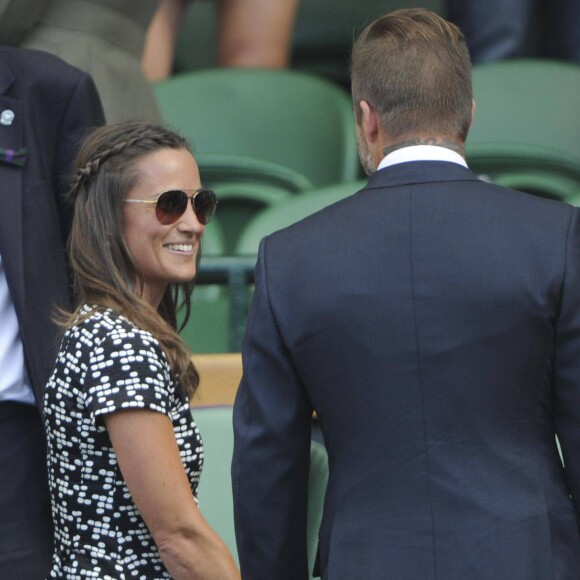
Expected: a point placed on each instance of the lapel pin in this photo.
(13, 156)
(6, 117)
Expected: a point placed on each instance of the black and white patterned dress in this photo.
(105, 364)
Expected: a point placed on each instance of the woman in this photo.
(124, 454)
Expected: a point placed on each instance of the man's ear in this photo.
(473, 106)
(369, 122)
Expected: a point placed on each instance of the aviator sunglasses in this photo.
(171, 205)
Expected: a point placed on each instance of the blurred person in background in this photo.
(498, 29)
(251, 33)
(105, 38)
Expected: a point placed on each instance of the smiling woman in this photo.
(163, 252)
(125, 455)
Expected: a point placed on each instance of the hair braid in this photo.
(138, 137)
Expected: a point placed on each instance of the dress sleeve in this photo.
(127, 370)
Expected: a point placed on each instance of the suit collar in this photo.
(415, 172)
(421, 153)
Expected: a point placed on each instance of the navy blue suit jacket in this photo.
(433, 322)
(54, 105)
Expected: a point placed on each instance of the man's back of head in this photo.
(413, 68)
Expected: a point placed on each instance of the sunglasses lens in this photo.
(170, 206)
(204, 204)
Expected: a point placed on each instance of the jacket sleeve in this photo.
(567, 363)
(272, 428)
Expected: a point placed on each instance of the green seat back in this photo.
(532, 168)
(290, 211)
(245, 186)
(532, 102)
(525, 132)
(207, 329)
(295, 120)
(574, 199)
(215, 488)
(213, 241)
(221, 169)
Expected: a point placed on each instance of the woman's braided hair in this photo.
(104, 273)
(92, 166)
(136, 139)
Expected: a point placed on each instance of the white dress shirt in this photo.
(14, 383)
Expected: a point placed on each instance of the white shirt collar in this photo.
(421, 153)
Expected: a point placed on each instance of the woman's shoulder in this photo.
(97, 326)
(99, 320)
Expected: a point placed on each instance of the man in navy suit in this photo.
(433, 322)
(45, 108)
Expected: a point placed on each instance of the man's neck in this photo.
(456, 146)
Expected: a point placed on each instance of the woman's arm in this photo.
(149, 459)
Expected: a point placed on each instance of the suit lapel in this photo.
(12, 139)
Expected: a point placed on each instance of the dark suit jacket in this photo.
(53, 104)
(433, 322)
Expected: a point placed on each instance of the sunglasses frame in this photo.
(190, 198)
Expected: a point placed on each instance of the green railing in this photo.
(237, 274)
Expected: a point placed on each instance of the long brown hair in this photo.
(104, 274)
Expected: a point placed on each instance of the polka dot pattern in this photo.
(106, 364)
